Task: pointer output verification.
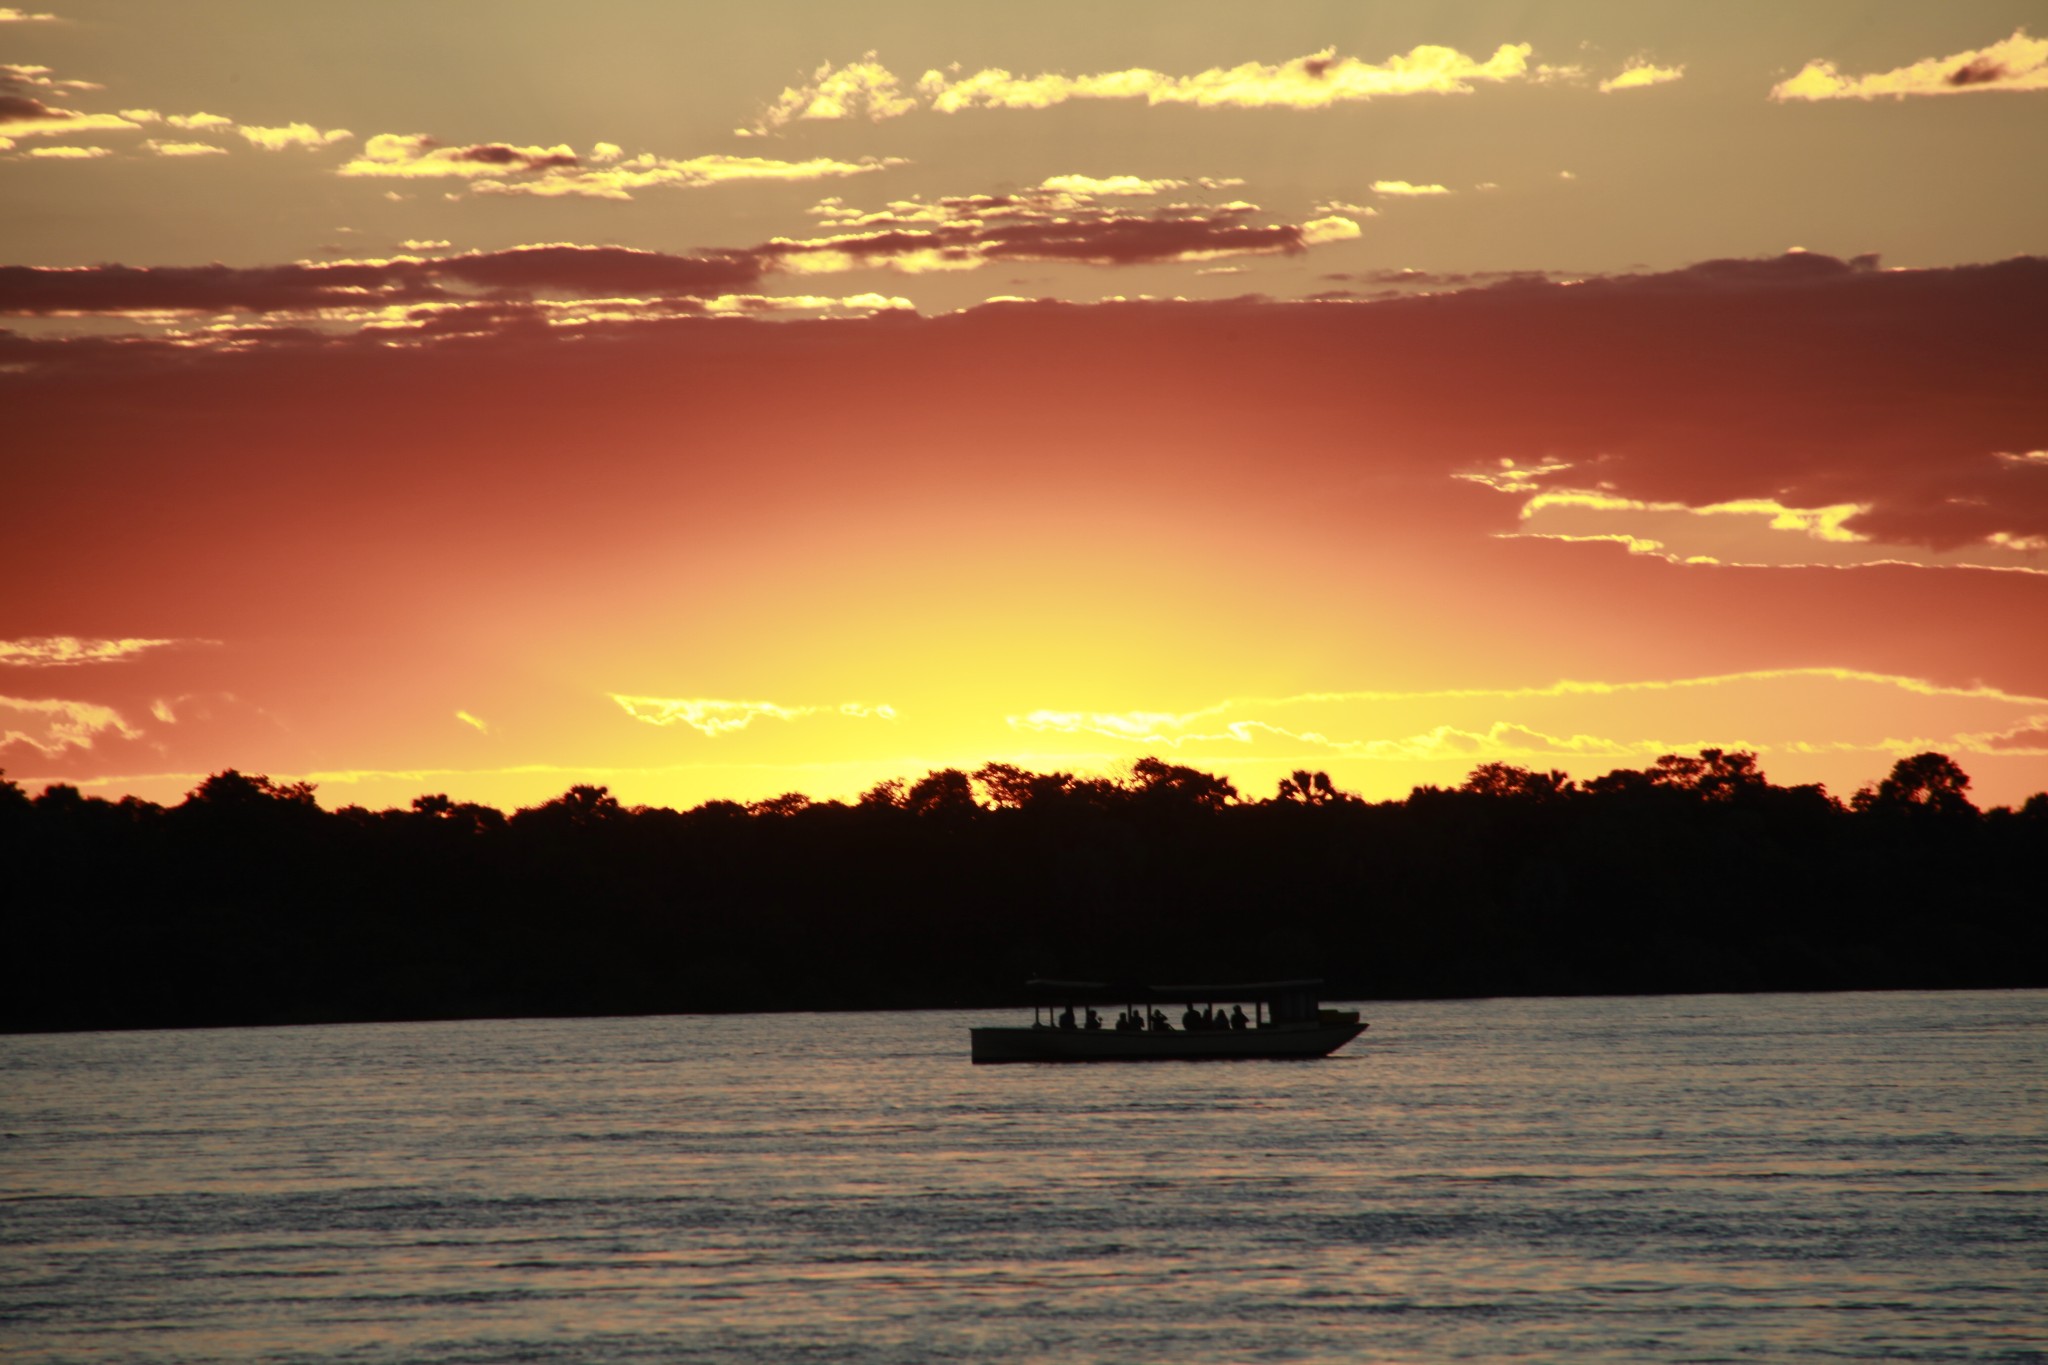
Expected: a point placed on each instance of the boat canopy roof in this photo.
(1131, 992)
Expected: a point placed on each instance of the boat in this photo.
(1287, 1021)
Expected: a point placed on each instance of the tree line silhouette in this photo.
(248, 903)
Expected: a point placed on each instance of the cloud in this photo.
(48, 651)
(1316, 81)
(18, 78)
(307, 286)
(2028, 737)
(1401, 188)
(1802, 381)
(1681, 534)
(293, 135)
(2015, 63)
(1060, 220)
(1808, 710)
(200, 123)
(480, 726)
(867, 89)
(551, 172)
(714, 716)
(54, 725)
(416, 155)
(184, 148)
(71, 153)
(862, 89)
(1639, 73)
(9, 14)
(23, 115)
(1108, 185)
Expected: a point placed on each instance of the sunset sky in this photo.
(718, 401)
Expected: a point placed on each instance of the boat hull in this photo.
(1107, 1045)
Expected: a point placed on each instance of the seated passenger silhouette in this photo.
(1067, 1017)
(1094, 1019)
(1192, 1020)
(1159, 1024)
(1237, 1019)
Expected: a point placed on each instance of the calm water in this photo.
(1860, 1177)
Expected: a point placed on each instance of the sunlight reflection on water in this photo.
(1858, 1177)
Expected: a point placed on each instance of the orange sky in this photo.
(729, 411)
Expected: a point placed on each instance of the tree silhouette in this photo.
(1009, 787)
(785, 805)
(248, 903)
(1520, 784)
(1173, 785)
(231, 790)
(946, 792)
(1303, 787)
(580, 807)
(884, 795)
(1927, 782)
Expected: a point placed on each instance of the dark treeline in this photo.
(248, 903)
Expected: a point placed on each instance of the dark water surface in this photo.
(1846, 1177)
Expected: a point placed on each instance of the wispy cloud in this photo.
(163, 148)
(1316, 81)
(605, 173)
(1063, 219)
(27, 116)
(1640, 73)
(862, 89)
(1403, 189)
(48, 651)
(2015, 63)
(303, 135)
(1684, 533)
(1837, 710)
(718, 716)
(57, 724)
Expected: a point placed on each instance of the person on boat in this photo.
(1159, 1024)
(1067, 1017)
(1094, 1020)
(1237, 1017)
(1191, 1020)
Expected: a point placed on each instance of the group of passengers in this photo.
(1194, 1020)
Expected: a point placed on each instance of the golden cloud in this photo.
(53, 122)
(184, 148)
(864, 88)
(1804, 710)
(60, 650)
(868, 89)
(717, 716)
(2016, 63)
(1316, 81)
(551, 172)
(1638, 74)
(293, 135)
(60, 724)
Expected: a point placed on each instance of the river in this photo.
(1856, 1177)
